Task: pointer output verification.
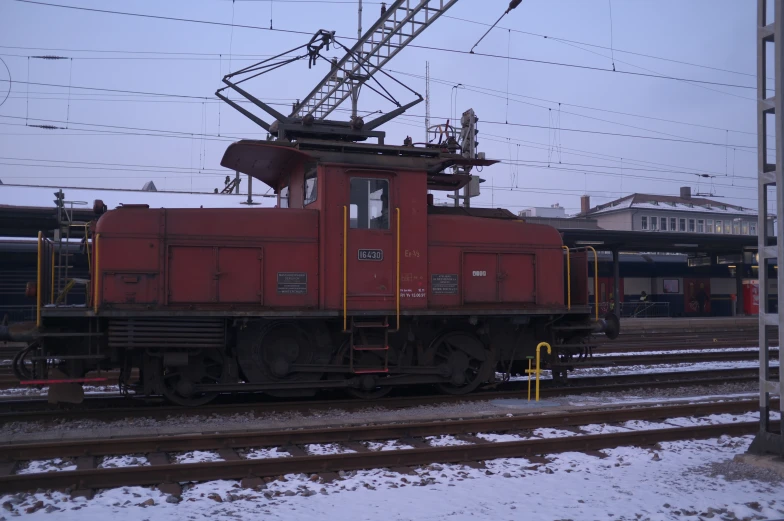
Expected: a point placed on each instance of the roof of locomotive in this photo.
(268, 161)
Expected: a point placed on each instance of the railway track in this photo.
(233, 466)
(116, 408)
(9, 381)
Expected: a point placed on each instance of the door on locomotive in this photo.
(371, 241)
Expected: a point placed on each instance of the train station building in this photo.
(691, 256)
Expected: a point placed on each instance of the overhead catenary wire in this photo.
(505, 140)
(488, 122)
(10, 82)
(426, 47)
(500, 95)
(612, 52)
(204, 102)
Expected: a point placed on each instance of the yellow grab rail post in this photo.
(345, 260)
(96, 275)
(568, 279)
(530, 360)
(397, 291)
(39, 286)
(538, 365)
(51, 291)
(595, 279)
(87, 244)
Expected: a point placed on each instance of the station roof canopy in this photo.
(636, 241)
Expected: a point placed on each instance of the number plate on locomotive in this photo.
(370, 255)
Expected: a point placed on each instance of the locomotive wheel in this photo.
(267, 352)
(465, 358)
(366, 358)
(204, 367)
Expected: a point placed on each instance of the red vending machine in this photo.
(751, 296)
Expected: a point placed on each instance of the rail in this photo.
(568, 279)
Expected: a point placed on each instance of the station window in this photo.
(284, 197)
(663, 224)
(691, 225)
(719, 226)
(709, 226)
(673, 227)
(753, 228)
(682, 225)
(311, 185)
(736, 227)
(728, 228)
(369, 204)
(745, 227)
(653, 223)
(644, 224)
(700, 226)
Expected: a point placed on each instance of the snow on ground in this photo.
(264, 453)
(547, 432)
(656, 368)
(131, 460)
(387, 445)
(598, 353)
(685, 480)
(604, 428)
(634, 400)
(49, 465)
(29, 390)
(664, 368)
(496, 437)
(316, 449)
(196, 456)
(444, 441)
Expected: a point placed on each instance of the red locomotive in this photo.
(356, 280)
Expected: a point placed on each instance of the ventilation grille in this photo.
(170, 333)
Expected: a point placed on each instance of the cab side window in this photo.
(311, 185)
(369, 204)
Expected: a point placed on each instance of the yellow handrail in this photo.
(345, 260)
(39, 286)
(538, 369)
(96, 274)
(51, 293)
(595, 279)
(568, 279)
(87, 244)
(397, 292)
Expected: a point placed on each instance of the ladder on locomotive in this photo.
(369, 337)
(62, 281)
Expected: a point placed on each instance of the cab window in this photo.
(311, 185)
(284, 197)
(369, 204)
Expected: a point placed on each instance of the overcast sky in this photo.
(544, 163)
